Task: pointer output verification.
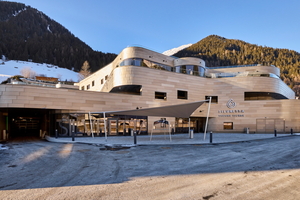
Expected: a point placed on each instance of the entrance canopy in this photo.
(179, 110)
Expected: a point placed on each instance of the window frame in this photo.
(214, 99)
(184, 97)
(160, 95)
(227, 125)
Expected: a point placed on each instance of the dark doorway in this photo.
(27, 122)
(25, 126)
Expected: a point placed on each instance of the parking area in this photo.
(255, 169)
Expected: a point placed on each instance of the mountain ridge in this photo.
(29, 34)
(219, 51)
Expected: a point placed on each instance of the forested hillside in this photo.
(28, 34)
(219, 51)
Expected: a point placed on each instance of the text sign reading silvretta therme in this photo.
(235, 113)
(230, 115)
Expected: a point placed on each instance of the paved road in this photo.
(264, 169)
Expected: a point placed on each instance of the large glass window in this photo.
(184, 69)
(145, 63)
(190, 69)
(128, 89)
(249, 96)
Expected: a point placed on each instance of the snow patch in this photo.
(175, 50)
(13, 67)
(2, 147)
(48, 28)
(18, 12)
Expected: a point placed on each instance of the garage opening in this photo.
(28, 123)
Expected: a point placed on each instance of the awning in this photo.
(179, 110)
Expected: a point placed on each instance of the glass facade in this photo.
(249, 96)
(191, 70)
(145, 63)
(184, 69)
(128, 89)
(84, 124)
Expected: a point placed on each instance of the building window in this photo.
(82, 87)
(106, 77)
(182, 94)
(88, 87)
(93, 83)
(161, 95)
(228, 125)
(214, 99)
(249, 96)
(102, 81)
(128, 89)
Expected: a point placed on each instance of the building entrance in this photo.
(22, 123)
(25, 126)
(196, 123)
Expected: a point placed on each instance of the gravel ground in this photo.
(259, 169)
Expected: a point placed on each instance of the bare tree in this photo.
(85, 71)
(59, 77)
(27, 72)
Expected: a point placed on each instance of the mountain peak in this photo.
(175, 50)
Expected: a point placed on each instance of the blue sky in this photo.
(159, 25)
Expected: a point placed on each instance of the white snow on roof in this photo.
(13, 67)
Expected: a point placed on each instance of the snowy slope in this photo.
(175, 50)
(12, 67)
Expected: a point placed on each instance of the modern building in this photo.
(249, 97)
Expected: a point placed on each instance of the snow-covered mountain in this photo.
(175, 50)
(13, 67)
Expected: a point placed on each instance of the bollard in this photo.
(210, 137)
(134, 137)
(73, 135)
(291, 131)
(275, 133)
(56, 133)
(191, 133)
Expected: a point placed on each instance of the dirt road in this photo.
(265, 169)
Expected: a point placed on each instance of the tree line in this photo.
(219, 51)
